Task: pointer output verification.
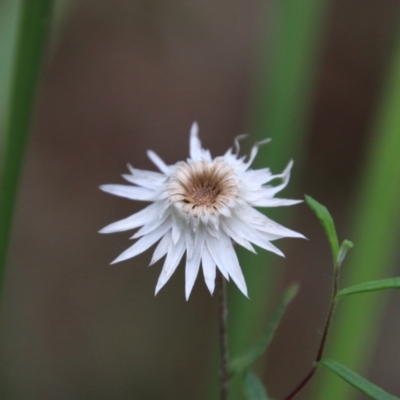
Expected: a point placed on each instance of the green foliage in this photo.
(246, 360)
(8, 22)
(375, 231)
(33, 25)
(360, 383)
(253, 387)
(344, 248)
(383, 284)
(326, 220)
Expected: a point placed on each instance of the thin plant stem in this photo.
(321, 348)
(223, 336)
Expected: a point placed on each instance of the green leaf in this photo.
(33, 26)
(326, 220)
(383, 284)
(253, 388)
(246, 360)
(360, 383)
(344, 248)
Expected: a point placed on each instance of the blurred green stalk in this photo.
(282, 105)
(8, 32)
(376, 228)
(283, 100)
(34, 21)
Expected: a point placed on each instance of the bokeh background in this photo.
(124, 76)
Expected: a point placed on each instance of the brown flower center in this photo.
(202, 184)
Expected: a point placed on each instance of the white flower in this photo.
(202, 206)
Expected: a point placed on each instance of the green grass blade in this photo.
(357, 381)
(253, 388)
(8, 28)
(383, 284)
(376, 226)
(281, 106)
(246, 360)
(327, 223)
(33, 26)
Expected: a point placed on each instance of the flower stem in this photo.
(223, 336)
(321, 348)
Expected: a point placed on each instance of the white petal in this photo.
(275, 202)
(130, 192)
(162, 248)
(223, 254)
(190, 241)
(237, 140)
(192, 267)
(133, 221)
(237, 237)
(255, 236)
(158, 162)
(177, 227)
(257, 177)
(151, 225)
(174, 255)
(261, 222)
(285, 176)
(277, 229)
(143, 243)
(209, 269)
(213, 248)
(148, 179)
(254, 152)
(195, 144)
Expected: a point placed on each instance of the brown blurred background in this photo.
(125, 76)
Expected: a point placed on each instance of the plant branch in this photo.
(321, 348)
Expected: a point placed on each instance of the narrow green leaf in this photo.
(326, 220)
(246, 360)
(360, 383)
(344, 248)
(253, 388)
(383, 284)
(33, 26)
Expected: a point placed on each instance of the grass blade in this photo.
(253, 388)
(383, 284)
(246, 360)
(33, 26)
(327, 223)
(357, 381)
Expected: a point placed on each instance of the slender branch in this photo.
(223, 336)
(321, 348)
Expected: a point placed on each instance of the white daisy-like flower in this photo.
(202, 206)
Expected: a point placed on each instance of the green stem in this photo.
(33, 26)
(322, 344)
(223, 336)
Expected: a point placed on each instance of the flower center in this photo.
(202, 185)
(204, 196)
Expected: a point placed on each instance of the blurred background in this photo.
(124, 76)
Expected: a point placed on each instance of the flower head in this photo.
(202, 206)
